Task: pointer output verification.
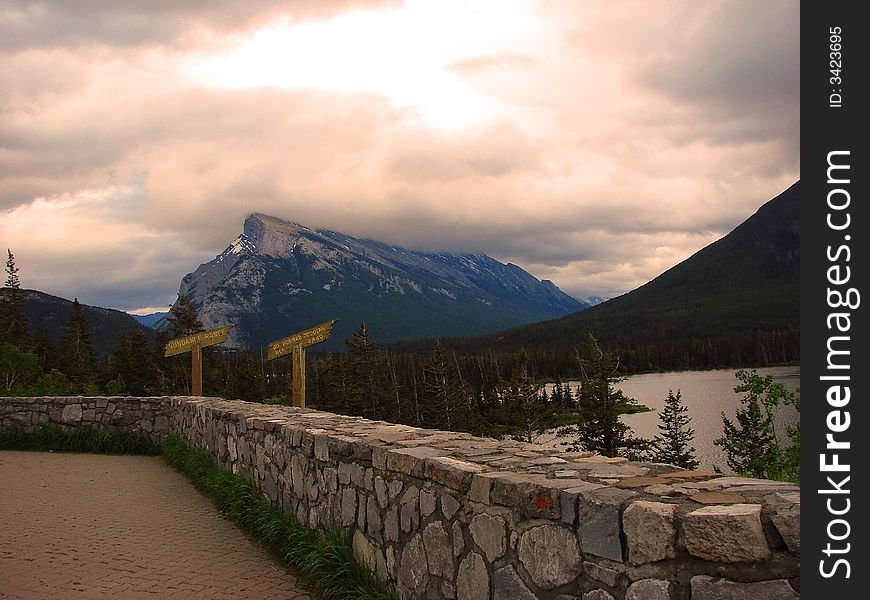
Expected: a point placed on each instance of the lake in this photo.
(706, 394)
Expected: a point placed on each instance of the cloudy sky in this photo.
(594, 143)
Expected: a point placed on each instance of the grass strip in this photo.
(82, 438)
(324, 561)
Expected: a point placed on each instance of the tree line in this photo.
(488, 393)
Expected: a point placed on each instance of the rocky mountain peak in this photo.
(278, 277)
(272, 236)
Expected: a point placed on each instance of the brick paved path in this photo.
(85, 526)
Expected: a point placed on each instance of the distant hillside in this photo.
(278, 277)
(149, 320)
(53, 312)
(735, 302)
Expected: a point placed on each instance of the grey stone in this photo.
(374, 525)
(427, 503)
(449, 505)
(458, 539)
(507, 585)
(357, 475)
(489, 532)
(391, 525)
(726, 533)
(649, 589)
(550, 555)
(598, 521)
(381, 491)
(447, 590)
(600, 573)
(344, 473)
(788, 524)
(472, 582)
(361, 513)
(649, 531)
(438, 550)
(391, 561)
(408, 460)
(410, 512)
(394, 487)
(364, 551)
(597, 595)
(451, 472)
(708, 588)
(72, 413)
(413, 568)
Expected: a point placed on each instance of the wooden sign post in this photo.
(297, 343)
(194, 344)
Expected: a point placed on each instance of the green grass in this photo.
(326, 562)
(76, 439)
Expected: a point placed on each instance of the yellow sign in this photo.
(303, 339)
(201, 339)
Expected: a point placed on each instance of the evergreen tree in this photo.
(45, 349)
(751, 443)
(182, 318)
(246, 382)
(599, 404)
(136, 366)
(13, 321)
(76, 352)
(444, 401)
(672, 446)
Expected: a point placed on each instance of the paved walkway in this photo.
(85, 526)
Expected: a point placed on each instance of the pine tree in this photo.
(135, 365)
(444, 401)
(246, 382)
(182, 318)
(672, 446)
(13, 321)
(601, 429)
(76, 352)
(751, 443)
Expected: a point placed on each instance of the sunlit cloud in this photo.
(595, 144)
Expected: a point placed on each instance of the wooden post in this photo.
(196, 371)
(298, 394)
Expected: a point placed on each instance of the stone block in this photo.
(598, 595)
(649, 589)
(490, 533)
(413, 567)
(788, 524)
(427, 503)
(449, 505)
(726, 533)
(507, 585)
(408, 461)
(439, 552)
(599, 521)
(708, 588)
(600, 573)
(649, 531)
(472, 581)
(72, 414)
(551, 555)
(453, 473)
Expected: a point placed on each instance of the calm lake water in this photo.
(706, 394)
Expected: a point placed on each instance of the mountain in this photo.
(149, 320)
(594, 300)
(735, 302)
(53, 312)
(279, 277)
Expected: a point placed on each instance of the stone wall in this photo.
(449, 515)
